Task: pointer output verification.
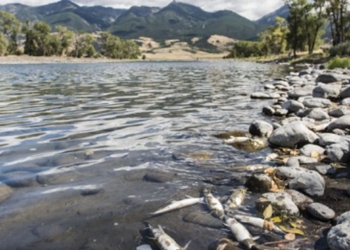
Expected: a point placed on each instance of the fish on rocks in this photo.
(259, 223)
(236, 199)
(215, 206)
(179, 204)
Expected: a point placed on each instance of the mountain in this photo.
(175, 21)
(269, 19)
(183, 21)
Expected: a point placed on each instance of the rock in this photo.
(261, 128)
(325, 169)
(318, 114)
(341, 123)
(306, 160)
(316, 103)
(288, 120)
(309, 182)
(259, 183)
(91, 190)
(282, 202)
(338, 152)
(292, 135)
(281, 112)
(268, 110)
(338, 237)
(19, 179)
(282, 83)
(293, 162)
(303, 73)
(300, 92)
(326, 91)
(301, 200)
(203, 219)
(251, 145)
(292, 106)
(262, 95)
(275, 95)
(5, 192)
(158, 177)
(269, 86)
(345, 102)
(345, 93)
(339, 112)
(343, 217)
(327, 139)
(309, 149)
(331, 78)
(321, 211)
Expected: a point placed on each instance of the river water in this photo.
(76, 141)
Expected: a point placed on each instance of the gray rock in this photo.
(325, 169)
(292, 106)
(260, 128)
(5, 192)
(321, 211)
(341, 123)
(304, 72)
(268, 110)
(301, 200)
(346, 102)
(326, 91)
(338, 152)
(19, 179)
(291, 135)
(159, 177)
(281, 112)
(306, 160)
(343, 217)
(317, 103)
(293, 162)
(289, 120)
(260, 95)
(289, 172)
(318, 114)
(345, 93)
(339, 112)
(275, 95)
(282, 202)
(338, 237)
(331, 78)
(308, 149)
(300, 92)
(282, 83)
(203, 219)
(327, 139)
(269, 86)
(309, 182)
(259, 183)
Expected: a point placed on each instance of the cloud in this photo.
(252, 9)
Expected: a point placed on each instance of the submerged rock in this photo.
(261, 128)
(321, 211)
(203, 219)
(159, 177)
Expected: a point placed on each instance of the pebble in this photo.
(316, 103)
(321, 211)
(268, 110)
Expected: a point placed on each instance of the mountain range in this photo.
(176, 20)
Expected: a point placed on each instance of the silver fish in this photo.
(164, 241)
(179, 204)
(236, 199)
(215, 206)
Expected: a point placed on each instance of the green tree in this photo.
(338, 15)
(3, 44)
(66, 37)
(37, 39)
(116, 48)
(82, 45)
(10, 27)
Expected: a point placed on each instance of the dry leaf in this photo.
(315, 155)
(276, 219)
(274, 188)
(289, 236)
(268, 225)
(268, 212)
(270, 171)
(292, 230)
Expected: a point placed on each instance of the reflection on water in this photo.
(85, 121)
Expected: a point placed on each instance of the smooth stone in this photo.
(326, 91)
(317, 103)
(19, 179)
(5, 192)
(262, 95)
(301, 200)
(310, 182)
(321, 211)
(318, 114)
(300, 92)
(288, 120)
(327, 139)
(339, 112)
(325, 169)
(260, 128)
(331, 77)
(338, 237)
(282, 202)
(293, 106)
(281, 112)
(275, 95)
(338, 152)
(343, 217)
(259, 183)
(91, 190)
(293, 162)
(159, 177)
(282, 88)
(269, 86)
(268, 110)
(345, 93)
(282, 83)
(341, 123)
(346, 102)
(306, 160)
(203, 219)
(309, 149)
(304, 72)
(292, 135)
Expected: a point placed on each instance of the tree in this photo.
(83, 45)
(116, 48)
(37, 39)
(337, 12)
(3, 44)
(10, 27)
(66, 37)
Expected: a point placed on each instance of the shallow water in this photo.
(69, 128)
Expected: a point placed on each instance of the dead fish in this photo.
(179, 204)
(236, 199)
(258, 222)
(164, 241)
(241, 234)
(215, 206)
(233, 139)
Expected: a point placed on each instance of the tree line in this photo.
(40, 40)
(302, 30)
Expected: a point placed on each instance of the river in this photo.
(76, 141)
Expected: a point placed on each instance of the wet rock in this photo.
(203, 219)
(5, 192)
(293, 106)
(19, 179)
(292, 135)
(159, 177)
(309, 182)
(321, 211)
(341, 123)
(261, 128)
(300, 92)
(339, 112)
(57, 177)
(327, 139)
(317, 103)
(343, 217)
(260, 95)
(326, 91)
(325, 170)
(318, 114)
(301, 200)
(268, 110)
(259, 183)
(306, 160)
(345, 93)
(345, 102)
(309, 149)
(235, 133)
(282, 83)
(91, 190)
(338, 237)
(331, 78)
(281, 112)
(338, 152)
(293, 162)
(251, 145)
(269, 86)
(282, 202)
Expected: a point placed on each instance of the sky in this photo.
(251, 9)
